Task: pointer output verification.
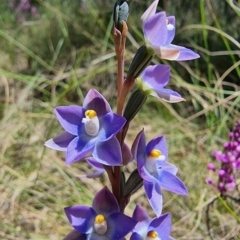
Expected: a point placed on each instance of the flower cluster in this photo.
(229, 161)
(93, 132)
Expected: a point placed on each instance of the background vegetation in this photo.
(53, 57)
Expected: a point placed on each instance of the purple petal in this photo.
(157, 76)
(138, 150)
(81, 218)
(149, 12)
(159, 143)
(184, 53)
(60, 142)
(155, 29)
(141, 216)
(136, 236)
(79, 147)
(75, 235)
(154, 196)
(108, 152)
(105, 203)
(127, 155)
(169, 95)
(70, 118)
(172, 183)
(171, 31)
(118, 232)
(111, 123)
(162, 225)
(98, 167)
(95, 101)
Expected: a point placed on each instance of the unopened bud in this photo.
(134, 104)
(140, 61)
(120, 13)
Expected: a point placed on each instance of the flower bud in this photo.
(140, 61)
(120, 13)
(134, 104)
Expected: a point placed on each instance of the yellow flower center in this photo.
(90, 114)
(99, 219)
(100, 224)
(155, 153)
(152, 234)
(91, 123)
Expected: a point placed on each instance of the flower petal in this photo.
(105, 203)
(172, 183)
(136, 236)
(155, 29)
(154, 196)
(159, 143)
(108, 152)
(162, 225)
(138, 150)
(79, 147)
(169, 95)
(81, 218)
(70, 118)
(184, 53)
(149, 12)
(157, 76)
(171, 29)
(111, 123)
(98, 167)
(166, 52)
(117, 232)
(60, 142)
(169, 168)
(141, 216)
(95, 101)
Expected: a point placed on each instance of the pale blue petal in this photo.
(154, 196)
(172, 183)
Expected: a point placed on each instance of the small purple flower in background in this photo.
(155, 171)
(159, 31)
(155, 229)
(230, 163)
(101, 221)
(87, 130)
(153, 80)
(23, 7)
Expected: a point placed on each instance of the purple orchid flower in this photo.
(155, 229)
(89, 129)
(155, 171)
(159, 31)
(103, 220)
(153, 80)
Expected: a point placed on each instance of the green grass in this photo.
(56, 59)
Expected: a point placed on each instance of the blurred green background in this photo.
(54, 52)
